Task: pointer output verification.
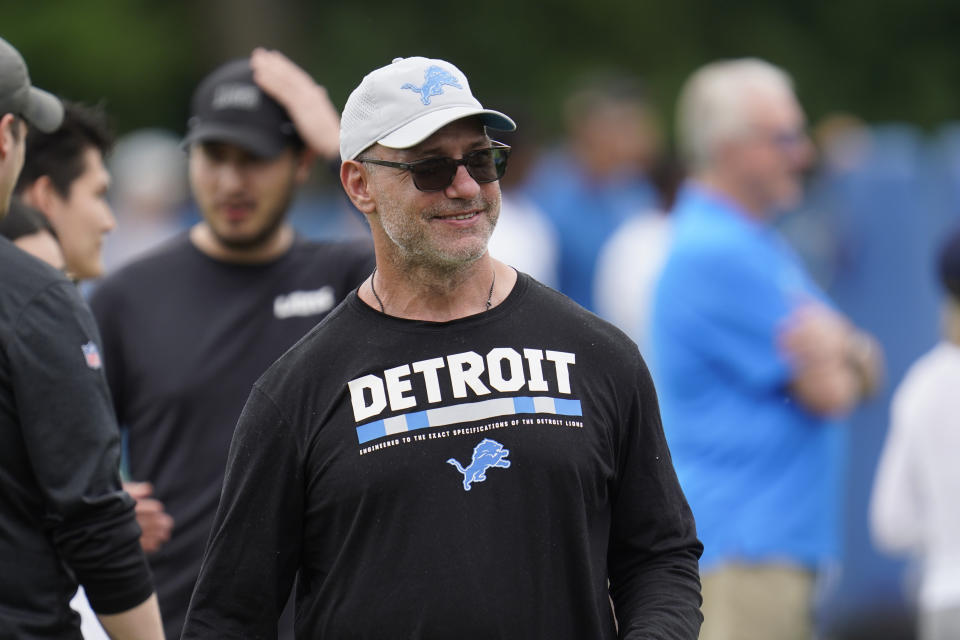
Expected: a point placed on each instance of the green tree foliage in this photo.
(891, 60)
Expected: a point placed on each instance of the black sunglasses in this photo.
(436, 174)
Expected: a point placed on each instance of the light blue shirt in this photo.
(585, 212)
(760, 472)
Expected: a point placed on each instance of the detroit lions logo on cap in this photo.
(486, 455)
(434, 80)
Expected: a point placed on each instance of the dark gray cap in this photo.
(17, 96)
(228, 106)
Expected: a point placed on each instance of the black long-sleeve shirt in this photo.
(64, 518)
(480, 478)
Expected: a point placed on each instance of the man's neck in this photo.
(277, 244)
(422, 292)
(734, 193)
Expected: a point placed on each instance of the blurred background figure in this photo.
(28, 229)
(599, 179)
(65, 180)
(65, 520)
(67, 177)
(64, 177)
(149, 193)
(188, 328)
(630, 261)
(754, 366)
(321, 211)
(843, 144)
(524, 237)
(914, 508)
(881, 201)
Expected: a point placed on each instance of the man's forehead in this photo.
(93, 165)
(468, 131)
(226, 148)
(775, 108)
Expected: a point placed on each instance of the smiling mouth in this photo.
(460, 216)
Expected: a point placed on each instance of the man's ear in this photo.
(42, 195)
(305, 162)
(8, 135)
(355, 181)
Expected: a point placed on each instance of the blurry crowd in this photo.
(833, 278)
(588, 212)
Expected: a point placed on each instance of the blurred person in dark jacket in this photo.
(755, 367)
(65, 179)
(64, 519)
(31, 232)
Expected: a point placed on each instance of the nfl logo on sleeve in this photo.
(92, 355)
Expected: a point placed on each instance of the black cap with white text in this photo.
(228, 106)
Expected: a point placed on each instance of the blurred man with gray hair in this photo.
(755, 367)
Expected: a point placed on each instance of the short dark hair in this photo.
(59, 155)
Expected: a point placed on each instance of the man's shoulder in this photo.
(161, 258)
(30, 270)
(328, 341)
(701, 230)
(24, 278)
(342, 252)
(709, 247)
(139, 279)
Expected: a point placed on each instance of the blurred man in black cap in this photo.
(64, 519)
(190, 327)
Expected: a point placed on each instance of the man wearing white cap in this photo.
(456, 450)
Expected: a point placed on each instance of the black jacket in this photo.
(64, 518)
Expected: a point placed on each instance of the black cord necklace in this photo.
(380, 302)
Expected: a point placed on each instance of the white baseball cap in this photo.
(404, 103)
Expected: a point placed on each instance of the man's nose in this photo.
(463, 185)
(109, 220)
(230, 175)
